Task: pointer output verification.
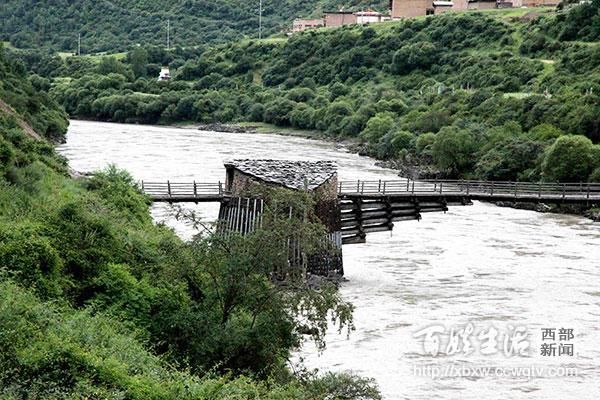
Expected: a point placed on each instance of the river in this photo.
(498, 270)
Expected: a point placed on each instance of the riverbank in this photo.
(269, 129)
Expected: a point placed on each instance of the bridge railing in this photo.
(168, 189)
(472, 187)
(196, 190)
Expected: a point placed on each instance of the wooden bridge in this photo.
(579, 193)
(374, 206)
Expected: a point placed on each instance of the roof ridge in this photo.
(293, 174)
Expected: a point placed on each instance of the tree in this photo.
(139, 62)
(7, 155)
(352, 125)
(571, 158)
(301, 95)
(377, 127)
(278, 112)
(302, 116)
(256, 112)
(420, 55)
(545, 132)
(424, 143)
(403, 140)
(595, 176)
(337, 90)
(508, 159)
(110, 65)
(453, 149)
(336, 112)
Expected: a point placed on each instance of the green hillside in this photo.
(108, 25)
(23, 95)
(498, 95)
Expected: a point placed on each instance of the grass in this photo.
(94, 57)
(153, 95)
(7, 45)
(548, 67)
(61, 80)
(275, 39)
(265, 128)
(516, 95)
(272, 40)
(517, 12)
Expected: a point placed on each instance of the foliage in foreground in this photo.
(48, 351)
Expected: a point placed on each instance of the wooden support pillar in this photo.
(359, 217)
(389, 214)
(415, 201)
(444, 203)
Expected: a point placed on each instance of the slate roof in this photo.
(290, 174)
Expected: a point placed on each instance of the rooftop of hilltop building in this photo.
(296, 175)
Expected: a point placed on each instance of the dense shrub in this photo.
(30, 258)
(570, 159)
(453, 149)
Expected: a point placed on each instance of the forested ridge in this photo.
(496, 96)
(98, 302)
(112, 25)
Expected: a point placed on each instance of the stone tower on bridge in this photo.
(248, 180)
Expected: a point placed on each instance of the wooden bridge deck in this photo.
(183, 192)
(174, 192)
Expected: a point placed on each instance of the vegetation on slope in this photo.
(98, 302)
(468, 95)
(108, 25)
(22, 96)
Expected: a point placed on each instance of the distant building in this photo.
(368, 17)
(505, 4)
(442, 6)
(482, 4)
(416, 8)
(305, 24)
(339, 18)
(164, 75)
(460, 5)
(412, 8)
